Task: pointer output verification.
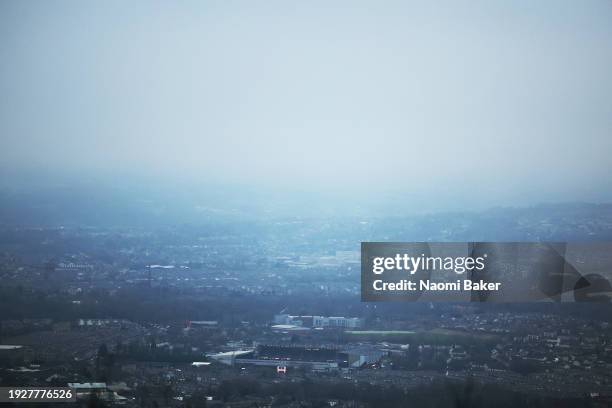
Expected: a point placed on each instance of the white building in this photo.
(319, 321)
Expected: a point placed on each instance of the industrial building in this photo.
(319, 321)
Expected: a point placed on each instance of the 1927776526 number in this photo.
(37, 394)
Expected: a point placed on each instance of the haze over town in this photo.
(449, 105)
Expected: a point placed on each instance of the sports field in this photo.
(434, 336)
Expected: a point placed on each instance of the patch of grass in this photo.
(434, 336)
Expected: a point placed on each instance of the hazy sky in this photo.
(500, 101)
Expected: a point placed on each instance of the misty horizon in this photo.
(444, 107)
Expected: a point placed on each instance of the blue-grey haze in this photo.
(456, 104)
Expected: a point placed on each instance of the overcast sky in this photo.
(502, 101)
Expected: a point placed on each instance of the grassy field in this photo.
(380, 332)
(434, 336)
